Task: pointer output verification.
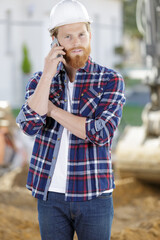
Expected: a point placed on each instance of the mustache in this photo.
(75, 48)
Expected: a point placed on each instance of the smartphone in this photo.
(55, 41)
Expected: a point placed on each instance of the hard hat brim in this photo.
(70, 22)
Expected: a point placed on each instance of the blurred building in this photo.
(26, 22)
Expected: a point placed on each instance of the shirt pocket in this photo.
(89, 101)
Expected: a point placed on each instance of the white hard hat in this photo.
(67, 12)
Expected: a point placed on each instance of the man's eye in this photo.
(67, 36)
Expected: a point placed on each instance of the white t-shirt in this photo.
(58, 183)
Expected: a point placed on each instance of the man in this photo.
(73, 107)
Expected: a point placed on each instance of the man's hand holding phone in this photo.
(53, 58)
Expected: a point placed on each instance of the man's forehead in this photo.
(74, 27)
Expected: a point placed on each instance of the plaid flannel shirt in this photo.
(98, 95)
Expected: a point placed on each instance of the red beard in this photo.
(77, 61)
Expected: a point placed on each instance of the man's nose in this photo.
(76, 42)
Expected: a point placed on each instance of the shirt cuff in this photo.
(93, 128)
(27, 114)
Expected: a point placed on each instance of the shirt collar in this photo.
(87, 66)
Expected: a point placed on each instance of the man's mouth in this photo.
(77, 51)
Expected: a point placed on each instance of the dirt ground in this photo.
(136, 217)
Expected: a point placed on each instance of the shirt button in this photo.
(54, 158)
(82, 94)
(58, 139)
(49, 177)
(65, 81)
(65, 100)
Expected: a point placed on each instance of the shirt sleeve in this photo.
(28, 120)
(100, 130)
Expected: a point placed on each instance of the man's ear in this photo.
(53, 37)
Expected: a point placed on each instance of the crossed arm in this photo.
(75, 124)
(40, 104)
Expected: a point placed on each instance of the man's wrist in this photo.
(46, 77)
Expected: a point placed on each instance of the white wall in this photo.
(107, 29)
(29, 24)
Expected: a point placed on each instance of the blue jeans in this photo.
(92, 220)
